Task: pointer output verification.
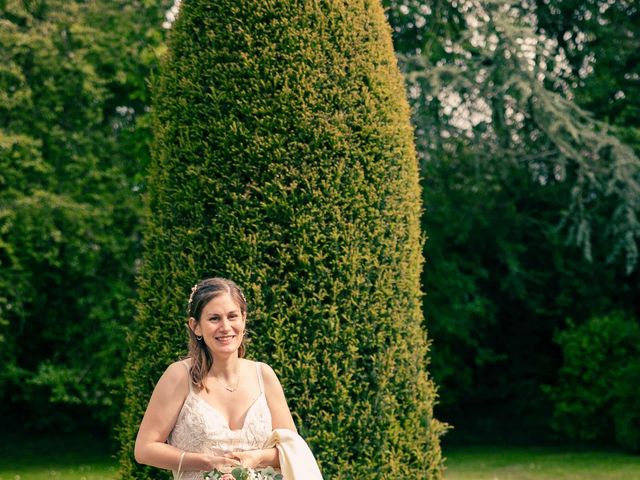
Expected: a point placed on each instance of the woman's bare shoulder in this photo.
(177, 373)
(268, 374)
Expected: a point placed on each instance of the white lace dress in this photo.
(201, 428)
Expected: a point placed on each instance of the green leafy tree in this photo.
(284, 160)
(599, 41)
(494, 82)
(521, 186)
(72, 147)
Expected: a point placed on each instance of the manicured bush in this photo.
(596, 397)
(284, 160)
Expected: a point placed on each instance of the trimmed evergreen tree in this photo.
(284, 160)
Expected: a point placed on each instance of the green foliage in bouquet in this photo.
(243, 473)
(284, 159)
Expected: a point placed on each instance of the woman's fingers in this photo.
(227, 464)
(231, 455)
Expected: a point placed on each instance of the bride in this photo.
(217, 410)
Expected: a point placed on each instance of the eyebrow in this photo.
(228, 313)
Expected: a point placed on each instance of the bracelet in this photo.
(184, 452)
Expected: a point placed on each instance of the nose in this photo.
(225, 324)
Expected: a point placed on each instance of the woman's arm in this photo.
(160, 418)
(280, 413)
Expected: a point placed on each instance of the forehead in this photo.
(222, 303)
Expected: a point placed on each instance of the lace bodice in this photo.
(201, 428)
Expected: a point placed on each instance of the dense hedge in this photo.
(284, 160)
(596, 396)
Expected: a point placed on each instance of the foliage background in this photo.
(73, 149)
(530, 203)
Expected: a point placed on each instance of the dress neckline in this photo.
(222, 417)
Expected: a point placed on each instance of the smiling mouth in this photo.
(226, 338)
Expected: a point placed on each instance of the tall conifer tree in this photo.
(284, 160)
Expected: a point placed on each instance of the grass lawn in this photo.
(62, 458)
(82, 471)
(544, 463)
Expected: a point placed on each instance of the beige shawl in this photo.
(296, 460)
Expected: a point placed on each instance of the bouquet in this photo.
(243, 473)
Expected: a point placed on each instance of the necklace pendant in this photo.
(226, 387)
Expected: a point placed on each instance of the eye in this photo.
(215, 318)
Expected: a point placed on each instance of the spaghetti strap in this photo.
(186, 365)
(259, 370)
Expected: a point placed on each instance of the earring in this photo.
(199, 338)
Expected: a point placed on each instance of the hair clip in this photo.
(193, 291)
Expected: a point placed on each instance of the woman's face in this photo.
(221, 325)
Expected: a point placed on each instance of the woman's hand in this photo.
(224, 464)
(251, 458)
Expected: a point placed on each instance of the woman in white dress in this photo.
(216, 409)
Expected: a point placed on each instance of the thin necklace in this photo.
(227, 387)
